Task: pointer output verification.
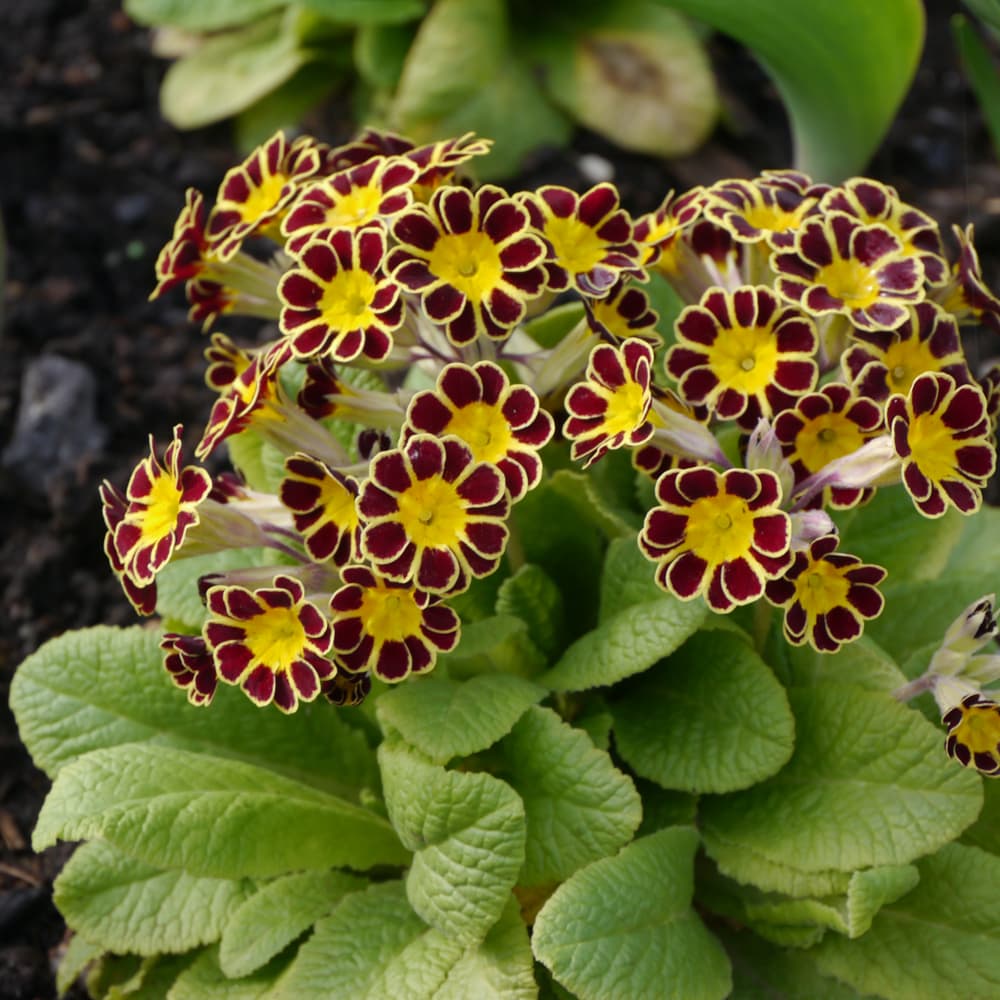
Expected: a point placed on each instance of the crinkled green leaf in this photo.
(101, 687)
(498, 644)
(467, 832)
(206, 979)
(579, 806)
(712, 718)
(867, 785)
(940, 940)
(277, 914)
(531, 595)
(603, 497)
(199, 16)
(627, 578)
(125, 905)
(445, 719)
(367, 11)
(211, 816)
(624, 927)
(662, 808)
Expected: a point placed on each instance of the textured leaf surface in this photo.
(579, 806)
(531, 595)
(710, 719)
(205, 979)
(624, 927)
(496, 644)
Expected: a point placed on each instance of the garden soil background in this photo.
(91, 179)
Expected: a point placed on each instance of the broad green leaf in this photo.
(445, 719)
(628, 578)
(867, 785)
(368, 11)
(467, 832)
(78, 955)
(213, 817)
(712, 718)
(624, 927)
(548, 328)
(199, 16)
(862, 663)
(662, 808)
(498, 644)
(978, 548)
(606, 504)
(980, 71)
(380, 51)
(985, 832)
(578, 805)
(842, 68)
(531, 595)
(940, 940)
(126, 905)
(988, 11)
(260, 463)
(205, 979)
(102, 687)
(230, 72)
(276, 915)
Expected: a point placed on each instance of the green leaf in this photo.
(862, 663)
(548, 328)
(205, 979)
(199, 16)
(605, 504)
(624, 927)
(985, 832)
(380, 51)
(126, 905)
(842, 68)
(661, 808)
(210, 816)
(868, 784)
(467, 832)
(445, 719)
(102, 687)
(230, 72)
(499, 644)
(940, 940)
(978, 547)
(367, 11)
(78, 955)
(579, 806)
(276, 915)
(531, 595)
(981, 72)
(261, 463)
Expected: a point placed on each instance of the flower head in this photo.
(272, 642)
(226, 362)
(388, 628)
(827, 596)
(624, 312)
(974, 734)
(190, 665)
(183, 257)
(114, 504)
(323, 507)
(657, 232)
(966, 295)
(718, 534)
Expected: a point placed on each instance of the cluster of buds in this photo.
(411, 397)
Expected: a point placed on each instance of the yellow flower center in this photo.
(906, 359)
(772, 218)
(388, 614)
(933, 447)
(347, 299)
(744, 359)
(826, 437)
(821, 588)
(577, 247)
(979, 729)
(851, 282)
(484, 429)
(469, 262)
(354, 209)
(627, 408)
(163, 505)
(719, 529)
(432, 513)
(262, 198)
(338, 504)
(276, 638)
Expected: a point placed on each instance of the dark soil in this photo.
(91, 179)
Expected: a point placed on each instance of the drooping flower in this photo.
(271, 641)
(722, 535)
(184, 255)
(472, 258)
(500, 423)
(114, 503)
(610, 408)
(965, 295)
(338, 301)
(432, 515)
(624, 312)
(827, 596)
(323, 508)
(974, 734)
(744, 354)
(941, 433)
(839, 265)
(388, 628)
(189, 663)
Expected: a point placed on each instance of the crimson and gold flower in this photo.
(114, 503)
(974, 733)
(432, 515)
(226, 362)
(271, 641)
(827, 596)
(744, 354)
(323, 506)
(624, 312)
(336, 300)
(942, 434)
(966, 295)
(839, 265)
(721, 535)
(189, 663)
(472, 258)
(183, 257)
(657, 231)
(388, 628)
(500, 423)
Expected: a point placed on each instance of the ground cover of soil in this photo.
(91, 179)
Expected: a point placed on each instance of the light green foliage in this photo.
(204, 978)
(712, 718)
(531, 595)
(211, 816)
(985, 832)
(862, 664)
(445, 719)
(603, 498)
(367, 11)
(497, 644)
(78, 955)
(199, 16)
(579, 806)
(467, 832)
(624, 927)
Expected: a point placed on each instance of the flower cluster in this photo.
(415, 389)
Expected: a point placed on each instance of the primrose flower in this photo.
(624, 312)
(271, 642)
(827, 596)
(184, 255)
(841, 266)
(974, 733)
(657, 232)
(323, 508)
(472, 258)
(744, 354)
(590, 237)
(610, 408)
(388, 628)
(500, 423)
(162, 506)
(337, 301)
(433, 515)
(941, 432)
(722, 535)
(190, 665)
(114, 504)
(966, 295)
